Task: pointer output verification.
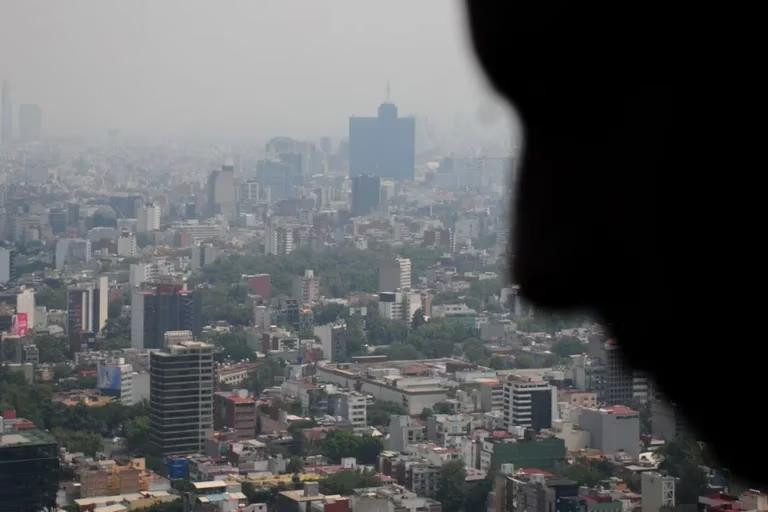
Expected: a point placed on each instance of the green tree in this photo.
(378, 414)
(345, 482)
(451, 486)
(137, 435)
(418, 319)
(368, 449)
(338, 444)
(328, 313)
(51, 349)
(52, 297)
(295, 465)
(443, 408)
(78, 441)
(475, 351)
(568, 346)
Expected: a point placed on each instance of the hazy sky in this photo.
(236, 68)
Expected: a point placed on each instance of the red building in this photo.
(260, 284)
(236, 411)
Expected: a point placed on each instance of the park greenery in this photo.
(345, 482)
(379, 413)
(339, 444)
(78, 428)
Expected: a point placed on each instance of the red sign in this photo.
(20, 324)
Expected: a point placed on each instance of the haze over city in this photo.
(242, 68)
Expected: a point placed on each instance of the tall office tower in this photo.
(7, 270)
(148, 218)
(382, 146)
(203, 254)
(126, 244)
(306, 288)
(366, 192)
(70, 251)
(30, 122)
(126, 207)
(57, 219)
(6, 116)
(529, 403)
(395, 274)
(622, 384)
(221, 192)
(29, 467)
(278, 240)
(73, 214)
(181, 397)
(167, 307)
(87, 311)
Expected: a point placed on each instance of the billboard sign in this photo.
(109, 380)
(20, 324)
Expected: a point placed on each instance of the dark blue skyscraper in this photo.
(382, 146)
(366, 191)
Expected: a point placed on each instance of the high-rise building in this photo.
(181, 397)
(87, 311)
(306, 288)
(529, 403)
(57, 219)
(203, 254)
(6, 115)
(658, 491)
(30, 122)
(623, 385)
(166, 307)
(278, 240)
(126, 207)
(148, 218)
(382, 146)
(29, 467)
(333, 338)
(7, 271)
(71, 251)
(221, 192)
(126, 245)
(366, 193)
(440, 238)
(395, 274)
(262, 317)
(73, 214)
(399, 305)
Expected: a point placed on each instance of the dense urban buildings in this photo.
(323, 323)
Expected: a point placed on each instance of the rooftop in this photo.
(26, 438)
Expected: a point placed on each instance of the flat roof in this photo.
(213, 484)
(29, 437)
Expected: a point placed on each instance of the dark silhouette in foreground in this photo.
(603, 89)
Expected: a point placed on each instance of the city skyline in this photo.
(258, 78)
